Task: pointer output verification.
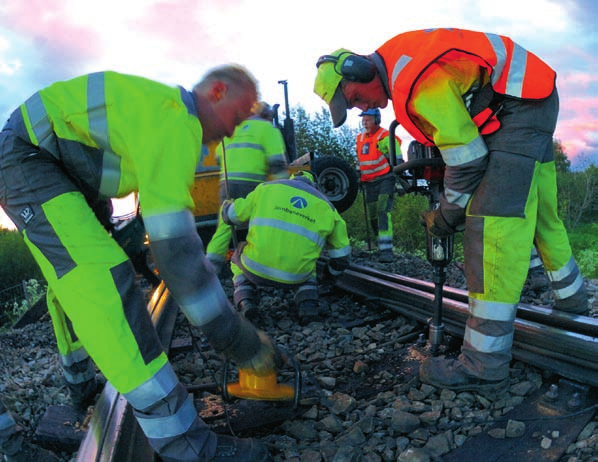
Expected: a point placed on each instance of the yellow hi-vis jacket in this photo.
(290, 223)
(115, 134)
(255, 153)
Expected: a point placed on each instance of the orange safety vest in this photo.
(513, 70)
(372, 162)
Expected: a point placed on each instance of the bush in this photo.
(584, 244)
(16, 262)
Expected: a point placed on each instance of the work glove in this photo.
(268, 357)
(436, 224)
(224, 209)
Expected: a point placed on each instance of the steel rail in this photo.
(550, 340)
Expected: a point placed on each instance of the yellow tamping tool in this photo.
(262, 387)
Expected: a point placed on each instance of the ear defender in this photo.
(354, 68)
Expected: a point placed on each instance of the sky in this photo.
(177, 41)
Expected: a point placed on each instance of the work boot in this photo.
(308, 310)
(84, 395)
(450, 374)
(249, 309)
(31, 453)
(575, 304)
(386, 256)
(537, 280)
(229, 449)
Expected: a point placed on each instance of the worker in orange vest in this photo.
(490, 106)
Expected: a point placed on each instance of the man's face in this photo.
(364, 96)
(228, 111)
(234, 110)
(369, 124)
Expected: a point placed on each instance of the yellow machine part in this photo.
(263, 388)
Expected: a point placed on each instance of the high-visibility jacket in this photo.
(411, 56)
(372, 160)
(115, 134)
(255, 153)
(290, 223)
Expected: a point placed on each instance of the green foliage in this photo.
(316, 133)
(16, 262)
(409, 234)
(584, 244)
(561, 162)
(14, 310)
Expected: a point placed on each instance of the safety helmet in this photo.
(373, 112)
(263, 110)
(304, 175)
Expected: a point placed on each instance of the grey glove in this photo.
(436, 224)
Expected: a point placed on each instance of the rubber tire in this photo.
(337, 180)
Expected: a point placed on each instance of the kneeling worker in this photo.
(290, 224)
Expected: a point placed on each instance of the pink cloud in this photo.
(183, 29)
(46, 22)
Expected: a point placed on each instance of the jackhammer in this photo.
(426, 163)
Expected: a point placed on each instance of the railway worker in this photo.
(107, 135)
(255, 153)
(290, 224)
(491, 107)
(376, 177)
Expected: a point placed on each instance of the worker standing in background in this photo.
(254, 154)
(290, 224)
(491, 107)
(377, 179)
(106, 135)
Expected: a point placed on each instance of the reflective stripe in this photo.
(501, 56)
(516, 71)
(242, 175)
(570, 290)
(110, 174)
(169, 225)
(273, 273)
(459, 155)
(154, 389)
(375, 170)
(96, 109)
(257, 147)
(486, 343)
(494, 311)
(562, 273)
(457, 198)
(79, 377)
(399, 66)
(289, 227)
(74, 357)
(172, 425)
(98, 131)
(40, 123)
(6, 421)
(337, 253)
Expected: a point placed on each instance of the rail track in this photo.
(552, 341)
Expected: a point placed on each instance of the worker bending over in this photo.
(106, 135)
(491, 107)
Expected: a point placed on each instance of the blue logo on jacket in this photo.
(299, 202)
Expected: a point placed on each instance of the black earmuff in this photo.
(354, 68)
